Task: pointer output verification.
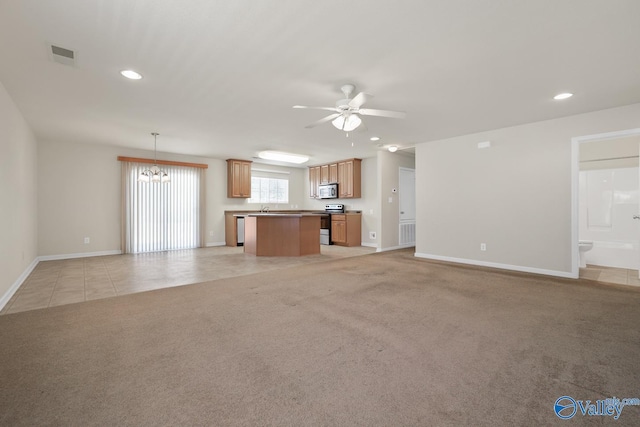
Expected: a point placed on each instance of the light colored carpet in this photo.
(377, 340)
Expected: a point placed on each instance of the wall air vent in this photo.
(62, 55)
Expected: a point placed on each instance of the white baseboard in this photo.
(211, 244)
(393, 248)
(555, 273)
(80, 255)
(369, 245)
(12, 290)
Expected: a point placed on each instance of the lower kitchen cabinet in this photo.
(346, 229)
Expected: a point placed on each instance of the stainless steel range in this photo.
(334, 208)
(325, 222)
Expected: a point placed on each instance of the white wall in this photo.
(18, 201)
(515, 196)
(79, 196)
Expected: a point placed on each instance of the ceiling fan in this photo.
(347, 111)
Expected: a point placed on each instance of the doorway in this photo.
(407, 207)
(604, 204)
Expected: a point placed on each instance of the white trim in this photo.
(16, 285)
(556, 273)
(393, 248)
(575, 177)
(80, 255)
(212, 244)
(369, 245)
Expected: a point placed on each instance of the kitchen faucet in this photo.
(264, 208)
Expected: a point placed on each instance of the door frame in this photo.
(575, 177)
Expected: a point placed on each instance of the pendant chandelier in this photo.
(154, 173)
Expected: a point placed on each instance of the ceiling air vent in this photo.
(62, 55)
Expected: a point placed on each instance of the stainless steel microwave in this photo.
(328, 191)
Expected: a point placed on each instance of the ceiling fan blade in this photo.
(382, 113)
(323, 120)
(317, 108)
(359, 99)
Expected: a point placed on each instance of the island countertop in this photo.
(284, 215)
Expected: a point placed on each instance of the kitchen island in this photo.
(282, 234)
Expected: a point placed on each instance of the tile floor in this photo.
(620, 276)
(69, 281)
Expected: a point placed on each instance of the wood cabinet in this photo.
(238, 178)
(324, 174)
(282, 235)
(347, 173)
(314, 181)
(230, 229)
(349, 178)
(333, 172)
(346, 229)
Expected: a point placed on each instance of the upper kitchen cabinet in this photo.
(333, 172)
(314, 181)
(349, 178)
(238, 178)
(346, 173)
(324, 174)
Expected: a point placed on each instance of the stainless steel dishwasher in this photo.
(240, 232)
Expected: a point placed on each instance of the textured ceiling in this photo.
(220, 77)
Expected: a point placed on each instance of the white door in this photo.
(407, 204)
(407, 194)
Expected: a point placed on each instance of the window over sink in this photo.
(269, 190)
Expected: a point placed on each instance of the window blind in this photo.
(160, 217)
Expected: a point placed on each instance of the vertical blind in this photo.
(160, 217)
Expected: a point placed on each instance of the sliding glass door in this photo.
(162, 216)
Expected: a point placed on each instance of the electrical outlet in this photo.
(87, 240)
(483, 246)
(211, 233)
(372, 235)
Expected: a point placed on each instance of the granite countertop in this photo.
(276, 214)
(241, 214)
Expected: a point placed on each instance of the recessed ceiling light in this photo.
(130, 74)
(283, 157)
(393, 148)
(375, 138)
(563, 96)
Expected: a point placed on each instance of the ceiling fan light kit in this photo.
(347, 112)
(347, 123)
